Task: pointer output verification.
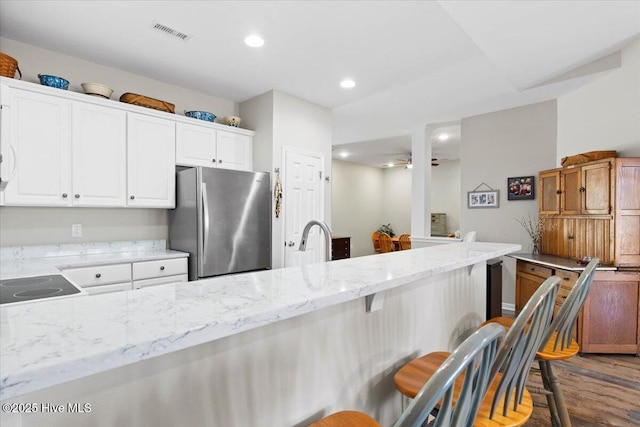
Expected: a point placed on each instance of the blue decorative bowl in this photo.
(200, 115)
(53, 81)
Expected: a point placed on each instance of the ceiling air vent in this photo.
(170, 31)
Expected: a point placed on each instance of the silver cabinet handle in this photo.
(98, 275)
(77, 196)
(132, 197)
(213, 160)
(64, 195)
(162, 268)
(219, 161)
(290, 244)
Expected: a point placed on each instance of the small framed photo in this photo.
(483, 199)
(521, 188)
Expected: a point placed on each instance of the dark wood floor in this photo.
(600, 390)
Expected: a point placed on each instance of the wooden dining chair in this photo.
(459, 383)
(405, 241)
(375, 239)
(386, 244)
(507, 402)
(558, 343)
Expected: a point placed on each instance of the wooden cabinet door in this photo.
(611, 314)
(549, 200)
(150, 162)
(571, 198)
(234, 151)
(596, 189)
(627, 222)
(99, 156)
(38, 153)
(195, 145)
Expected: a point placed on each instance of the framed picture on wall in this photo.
(483, 199)
(521, 188)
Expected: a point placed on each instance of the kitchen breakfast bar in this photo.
(280, 347)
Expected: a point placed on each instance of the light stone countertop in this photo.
(52, 342)
(29, 261)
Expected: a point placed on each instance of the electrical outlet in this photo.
(76, 230)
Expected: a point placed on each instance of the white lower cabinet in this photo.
(138, 284)
(100, 279)
(105, 289)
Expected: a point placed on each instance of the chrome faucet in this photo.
(327, 237)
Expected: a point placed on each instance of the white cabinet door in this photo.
(150, 161)
(139, 284)
(234, 151)
(195, 145)
(99, 156)
(38, 150)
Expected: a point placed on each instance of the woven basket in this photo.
(587, 157)
(144, 101)
(8, 66)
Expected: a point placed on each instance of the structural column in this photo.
(420, 182)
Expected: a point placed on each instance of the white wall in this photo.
(21, 226)
(605, 114)
(396, 199)
(357, 204)
(445, 192)
(495, 146)
(282, 120)
(33, 226)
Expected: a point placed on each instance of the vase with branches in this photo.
(535, 229)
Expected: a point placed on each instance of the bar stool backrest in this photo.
(565, 321)
(473, 358)
(521, 344)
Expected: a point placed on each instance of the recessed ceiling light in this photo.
(347, 83)
(443, 137)
(344, 154)
(254, 41)
(390, 165)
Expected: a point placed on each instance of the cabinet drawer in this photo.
(159, 268)
(100, 274)
(160, 281)
(105, 289)
(536, 270)
(569, 278)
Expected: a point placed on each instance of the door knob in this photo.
(290, 244)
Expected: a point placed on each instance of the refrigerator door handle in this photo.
(205, 240)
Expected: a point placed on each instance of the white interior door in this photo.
(302, 200)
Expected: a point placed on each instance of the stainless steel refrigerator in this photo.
(223, 219)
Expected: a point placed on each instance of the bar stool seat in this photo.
(347, 419)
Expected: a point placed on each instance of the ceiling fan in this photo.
(408, 164)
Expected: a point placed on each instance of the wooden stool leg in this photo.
(551, 404)
(557, 405)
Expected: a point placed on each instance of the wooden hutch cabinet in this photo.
(591, 210)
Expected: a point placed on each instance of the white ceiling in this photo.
(415, 63)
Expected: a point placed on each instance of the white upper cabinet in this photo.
(37, 154)
(234, 151)
(61, 148)
(195, 145)
(204, 146)
(150, 162)
(99, 147)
